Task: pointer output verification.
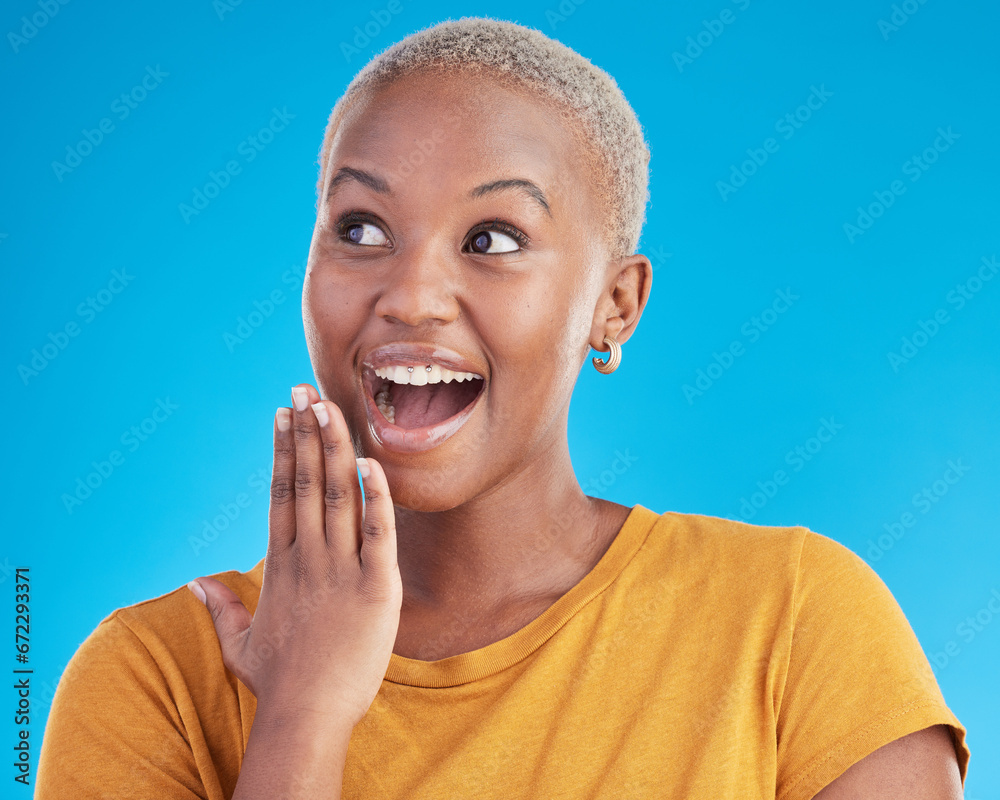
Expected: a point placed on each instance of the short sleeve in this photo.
(857, 677)
(113, 730)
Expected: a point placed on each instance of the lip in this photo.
(414, 440)
(415, 353)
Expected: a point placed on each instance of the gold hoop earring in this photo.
(609, 366)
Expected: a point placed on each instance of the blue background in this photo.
(720, 257)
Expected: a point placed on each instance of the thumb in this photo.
(229, 616)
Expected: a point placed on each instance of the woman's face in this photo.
(457, 229)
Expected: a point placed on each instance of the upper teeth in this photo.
(423, 374)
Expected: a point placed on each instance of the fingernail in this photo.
(363, 467)
(300, 398)
(284, 419)
(195, 587)
(322, 415)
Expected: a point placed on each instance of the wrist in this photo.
(294, 752)
(288, 719)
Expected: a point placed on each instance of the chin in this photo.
(422, 488)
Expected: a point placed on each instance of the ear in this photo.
(622, 301)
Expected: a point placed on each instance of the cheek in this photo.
(558, 317)
(331, 317)
(541, 335)
(330, 300)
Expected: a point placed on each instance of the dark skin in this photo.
(474, 515)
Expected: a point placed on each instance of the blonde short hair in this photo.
(586, 95)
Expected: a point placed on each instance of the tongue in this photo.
(424, 406)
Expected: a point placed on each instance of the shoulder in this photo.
(148, 652)
(784, 578)
(706, 539)
(158, 639)
(144, 691)
(722, 549)
(696, 575)
(177, 616)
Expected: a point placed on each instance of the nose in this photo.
(419, 287)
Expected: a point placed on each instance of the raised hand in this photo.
(318, 645)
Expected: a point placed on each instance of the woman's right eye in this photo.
(358, 227)
(364, 233)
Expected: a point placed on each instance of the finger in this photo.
(281, 516)
(229, 616)
(342, 497)
(378, 546)
(309, 470)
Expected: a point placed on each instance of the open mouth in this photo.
(414, 397)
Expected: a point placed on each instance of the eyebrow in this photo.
(377, 184)
(513, 183)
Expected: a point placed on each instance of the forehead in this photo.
(458, 128)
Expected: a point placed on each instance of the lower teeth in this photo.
(382, 401)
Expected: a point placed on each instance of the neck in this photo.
(531, 537)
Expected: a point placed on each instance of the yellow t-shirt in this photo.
(701, 658)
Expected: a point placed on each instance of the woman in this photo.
(472, 624)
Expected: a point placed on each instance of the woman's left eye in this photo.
(497, 236)
(493, 242)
